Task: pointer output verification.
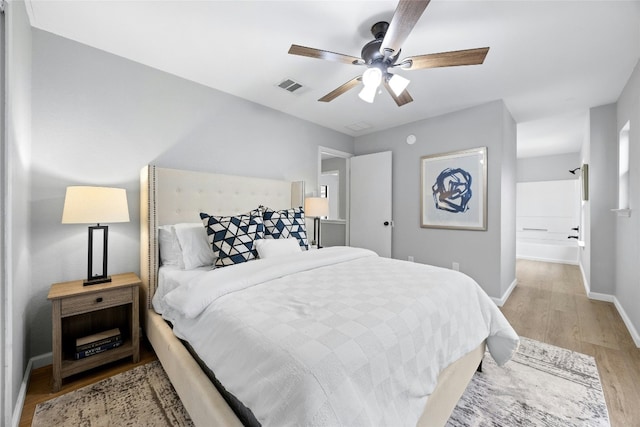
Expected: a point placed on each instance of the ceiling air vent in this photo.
(291, 85)
(360, 126)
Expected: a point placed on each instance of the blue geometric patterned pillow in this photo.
(284, 224)
(232, 237)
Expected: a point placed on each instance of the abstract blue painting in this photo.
(453, 190)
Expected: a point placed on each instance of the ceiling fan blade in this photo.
(342, 89)
(404, 97)
(324, 54)
(404, 19)
(445, 59)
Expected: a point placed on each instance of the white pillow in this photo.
(170, 253)
(196, 251)
(276, 247)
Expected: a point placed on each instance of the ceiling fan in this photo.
(381, 55)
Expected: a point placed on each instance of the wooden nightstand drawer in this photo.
(95, 301)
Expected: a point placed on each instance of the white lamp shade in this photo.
(398, 84)
(368, 93)
(372, 77)
(316, 206)
(95, 205)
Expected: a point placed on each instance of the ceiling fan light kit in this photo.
(381, 54)
(372, 77)
(398, 83)
(368, 93)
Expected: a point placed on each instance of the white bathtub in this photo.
(547, 212)
(549, 250)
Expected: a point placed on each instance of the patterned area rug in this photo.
(542, 385)
(142, 396)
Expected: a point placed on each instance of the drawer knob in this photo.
(99, 299)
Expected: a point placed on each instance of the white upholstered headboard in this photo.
(170, 196)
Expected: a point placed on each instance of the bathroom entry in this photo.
(547, 221)
(333, 183)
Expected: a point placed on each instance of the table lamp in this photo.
(95, 205)
(316, 207)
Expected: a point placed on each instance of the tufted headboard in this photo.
(171, 196)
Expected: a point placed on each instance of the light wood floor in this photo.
(41, 381)
(549, 304)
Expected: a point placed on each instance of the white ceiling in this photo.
(550, 61)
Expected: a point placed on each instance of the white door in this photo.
(370, 206)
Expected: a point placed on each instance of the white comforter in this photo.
(337, 336)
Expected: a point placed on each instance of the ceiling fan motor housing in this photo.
(379, 29)
(371, 51)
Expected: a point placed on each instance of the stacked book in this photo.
(97, 343)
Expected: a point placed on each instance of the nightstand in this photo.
(79, 311)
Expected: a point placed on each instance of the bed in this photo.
(170, 196)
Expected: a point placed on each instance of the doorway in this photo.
(333, 183)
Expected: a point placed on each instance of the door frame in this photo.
(6, 391)
(344, 155)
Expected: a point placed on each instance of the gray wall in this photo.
(508, 195)
(612, 251)
(487, 125)
(98, 119)
(627, 230)
(603, 196)
(16, 213)
(548, 168)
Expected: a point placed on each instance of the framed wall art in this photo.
(453, 190)
(585, 181)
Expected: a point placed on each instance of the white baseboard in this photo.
(42, 360)
(611, 298)
(34, 362)
(585, 282)
(502, 300)
(601, 297)
(625, 318)
(22, 395)
(542, 259)
(632, 330)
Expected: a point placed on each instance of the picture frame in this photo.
(453, 190)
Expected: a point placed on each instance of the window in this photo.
(623, 168)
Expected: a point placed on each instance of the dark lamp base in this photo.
(97, 281)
